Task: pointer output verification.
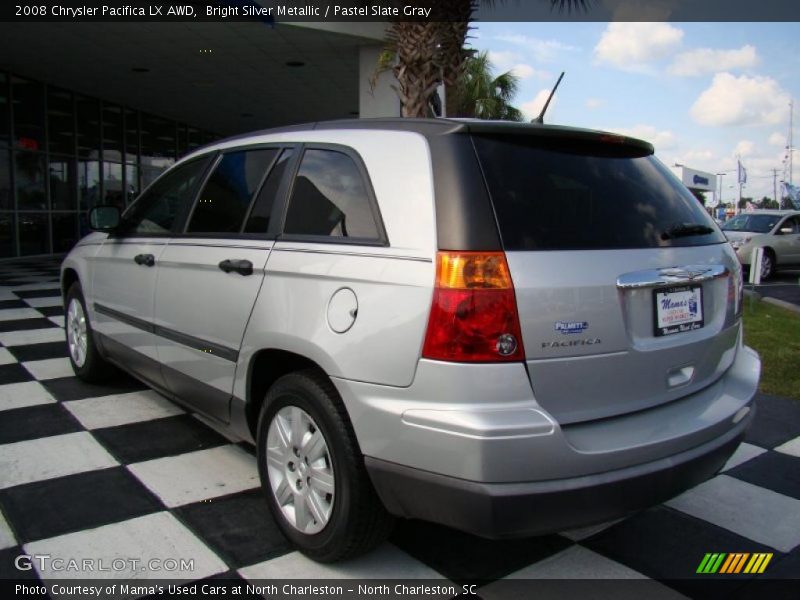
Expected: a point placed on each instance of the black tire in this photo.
(94, 367)
(768, 264)
(358, 521)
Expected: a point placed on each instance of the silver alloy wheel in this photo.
(766, 265)
(300, 469)
(77, 337)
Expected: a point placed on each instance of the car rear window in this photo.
(565, 194)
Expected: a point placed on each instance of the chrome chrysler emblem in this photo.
(684, 273)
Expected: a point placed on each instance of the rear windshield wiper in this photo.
(686, 229)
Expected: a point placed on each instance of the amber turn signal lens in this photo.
(472, 270)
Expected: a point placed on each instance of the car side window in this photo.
(223, 202)
(794, 223)
(155, 211)
(258, 221)
(330, 198)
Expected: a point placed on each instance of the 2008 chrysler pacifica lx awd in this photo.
(508, 329)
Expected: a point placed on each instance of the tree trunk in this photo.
(429, 53)
(417, 69)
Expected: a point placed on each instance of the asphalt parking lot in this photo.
(784, 285)
(103, 472)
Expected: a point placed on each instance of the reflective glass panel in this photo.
(30, 181)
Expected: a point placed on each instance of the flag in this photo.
(793, 192)
(742, 172)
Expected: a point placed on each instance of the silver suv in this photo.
(508, 329)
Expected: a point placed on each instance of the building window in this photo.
(193, 139)
(131, 183)
(7, 234)
(88, 127)
(65, 231)
(62, 183)
(33, 234)
(5, 112)
(30, 181)
(158, 147)
(60, 122)
(6, 196)
(113, 132)
(28, 113)
(88, 183)
(113, 192)
(69, 153)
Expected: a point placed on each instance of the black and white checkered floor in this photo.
(118, 471)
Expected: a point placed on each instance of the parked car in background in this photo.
(509, 329)
(776, 231)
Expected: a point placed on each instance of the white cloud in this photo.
(777, 139)
(532, 108)
(525, 71)
(594, 103)
(508, 60)
(503, 60)
(661, 139)
(541, 50)
(707, 60)
(744, 148)
(631, 46)
(741, 100)
(696, 159)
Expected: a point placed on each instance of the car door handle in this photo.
(243, 267)
(148, 260)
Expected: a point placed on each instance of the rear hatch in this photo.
(627, 291)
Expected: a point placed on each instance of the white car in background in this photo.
(776, 231)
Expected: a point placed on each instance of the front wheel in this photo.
(83, 353)
(313, 473)
(767, 265)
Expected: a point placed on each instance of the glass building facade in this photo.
(61, 153)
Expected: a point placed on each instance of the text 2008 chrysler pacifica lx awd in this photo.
(508, 329)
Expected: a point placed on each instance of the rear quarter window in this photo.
(562, 194)
(330, 199)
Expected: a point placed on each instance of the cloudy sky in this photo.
(700, 92)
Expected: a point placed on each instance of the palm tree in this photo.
(424, 54)
(478, 94)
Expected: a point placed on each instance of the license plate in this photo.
(678, 309)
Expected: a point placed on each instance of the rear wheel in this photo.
(312, 470)
(83, 353)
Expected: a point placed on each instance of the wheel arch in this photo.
(267, 366)
(68, 277)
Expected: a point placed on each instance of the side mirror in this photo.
(104, 218)
(786, 230)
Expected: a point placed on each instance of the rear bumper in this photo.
(482, 423)
(505, 468)
(504, 510)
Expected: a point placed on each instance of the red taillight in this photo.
(736, 291)
(474, 314)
